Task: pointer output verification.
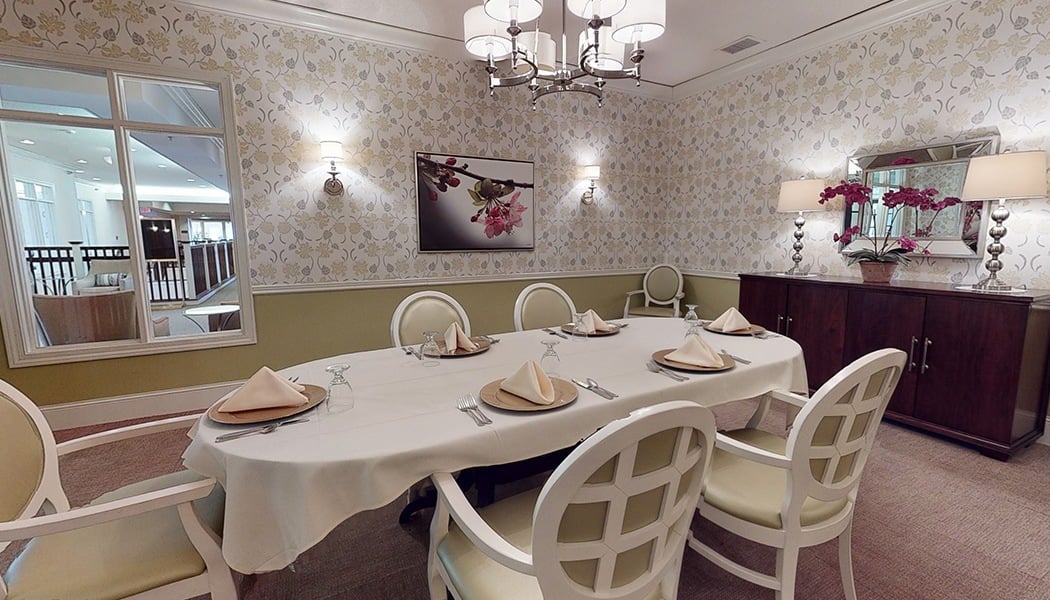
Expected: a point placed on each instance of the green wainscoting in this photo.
(298, 327)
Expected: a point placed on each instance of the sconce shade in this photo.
(331, 150)
(541, 49)
(600, 8)
(483, 35)
(521, 11)
(610, 53)
(801, 195)
(591, 172)
(640, 22)
(1009, 175)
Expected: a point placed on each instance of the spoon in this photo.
(590, 385)
(595, 386)
(655, 368)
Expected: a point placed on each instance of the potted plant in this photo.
(880, 260)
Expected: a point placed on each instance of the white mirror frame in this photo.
(16, 312)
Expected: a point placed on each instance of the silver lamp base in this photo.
(796, 270)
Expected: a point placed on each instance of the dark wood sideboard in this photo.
(978, 366)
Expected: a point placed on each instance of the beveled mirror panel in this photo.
(956, 231)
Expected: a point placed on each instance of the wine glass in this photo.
(430, 349)
(579, 329)
(339, 400)
(691, 318)
(550, 362)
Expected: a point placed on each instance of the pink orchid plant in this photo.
(886, 248)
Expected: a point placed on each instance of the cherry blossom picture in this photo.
(466, 203)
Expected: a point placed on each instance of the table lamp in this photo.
(800, 195)
(1001, 177)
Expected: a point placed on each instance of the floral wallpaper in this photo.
(692, 182)
(961, 71)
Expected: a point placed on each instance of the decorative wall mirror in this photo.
(956, 231)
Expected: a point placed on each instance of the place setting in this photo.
(529, 389)
(731, 322)
(694, 355)
(266, 398)
(590, 324)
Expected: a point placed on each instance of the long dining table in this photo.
(285, 491)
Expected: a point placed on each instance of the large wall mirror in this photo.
(121, 230)
(955, 231)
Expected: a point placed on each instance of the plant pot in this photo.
(877, 272)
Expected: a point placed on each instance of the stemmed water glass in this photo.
(430, 349)
(343, 399)
(579, 329)
(550, 362)
(692, 320)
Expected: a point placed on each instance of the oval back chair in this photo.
(542, 305)
(661, 289)
(428, 310)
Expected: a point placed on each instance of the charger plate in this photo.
(753, 330)
(568, 328)
(483, 345)
(564, 393)
(314, 395)
(659, 355)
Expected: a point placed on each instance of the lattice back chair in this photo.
(542, 305)
(610, 523)
(155, 538)
(662, 291)
(425, 311)
(801, 491)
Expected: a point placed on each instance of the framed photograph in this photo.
(468, 203)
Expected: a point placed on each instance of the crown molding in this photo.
(887, 13)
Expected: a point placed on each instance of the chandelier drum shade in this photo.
(514, 57)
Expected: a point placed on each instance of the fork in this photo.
(461, 405)
(655, 368)
(472, 402)
(742, 361)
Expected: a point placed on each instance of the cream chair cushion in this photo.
(663, 283)
(544, 308)
(22, 466)
(116, 559)
(754, 492)
(425, 311)
(652, 311)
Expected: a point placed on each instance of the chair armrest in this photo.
(789, 397)
(627, 304)
(125, 433)
(474, 527)
(679, 295)
(96, 514)
(738, 448)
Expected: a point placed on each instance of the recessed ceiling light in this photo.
(78, 170)
(81, 161)
(134, 149)
(191, 180)
(108, 159)
(27, 142)
(96, 179)
(193, 212)
(162, 166)
(201, 185)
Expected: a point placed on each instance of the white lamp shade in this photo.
(1002, 176)
(801, 195)
(521, 11)
(610, 53)
(483, 35)
(541, 49)
(640, 22)
(597, 8)
(331, 150)
(592, 172)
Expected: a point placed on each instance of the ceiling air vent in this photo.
(740, 45)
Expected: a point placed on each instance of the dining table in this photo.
(398, 422)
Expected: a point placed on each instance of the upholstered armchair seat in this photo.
(652, 311)
(104, 276)
(661, 293)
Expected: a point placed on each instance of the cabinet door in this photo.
(968, 376)
(764, 302)
(887, 320)
(816, 319)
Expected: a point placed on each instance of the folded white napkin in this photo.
(696, 352)
(592, 323)
(531, 383)
(456, 338)
(730, 320)
(265, 389)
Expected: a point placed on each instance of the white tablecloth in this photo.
(286, 491)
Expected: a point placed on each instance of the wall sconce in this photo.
(592, 172)
(332, 151)
(799, 196)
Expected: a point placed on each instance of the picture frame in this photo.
(474, 204)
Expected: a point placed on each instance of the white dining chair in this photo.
(610, 523)
(152, 539)
(428, 310)
(800, 491)
(542, 305)
(661, 292)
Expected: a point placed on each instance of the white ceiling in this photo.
(688, 50)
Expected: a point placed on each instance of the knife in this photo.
(271, 426)
(596, 389)
(557, 333)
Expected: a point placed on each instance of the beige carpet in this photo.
(935, 521)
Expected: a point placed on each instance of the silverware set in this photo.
(412, 351)
(262, 430)
(656, 368)
(469, 404)
(742, 361)
(557, 333)
(593, 386)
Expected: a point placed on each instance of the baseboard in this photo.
(135, 406)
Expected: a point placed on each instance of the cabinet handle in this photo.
(925, 348)
(787, 327)
(780, 321)
(911, 354)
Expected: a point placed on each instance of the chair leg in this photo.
(787, 567)
(849, 588)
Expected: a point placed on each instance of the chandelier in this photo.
(514, 56)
